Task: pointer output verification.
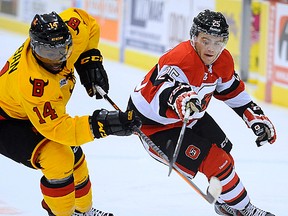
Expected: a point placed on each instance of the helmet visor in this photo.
(210, 41)
(53, 54)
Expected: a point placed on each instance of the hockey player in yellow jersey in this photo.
(35, 85)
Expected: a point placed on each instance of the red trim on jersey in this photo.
(232, 94)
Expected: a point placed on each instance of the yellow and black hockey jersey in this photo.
(29, 92)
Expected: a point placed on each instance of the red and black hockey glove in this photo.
(260, 124)
(91, 72)
(104, 123)
(182, 98)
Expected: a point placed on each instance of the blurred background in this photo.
(137, 32)
(134, 33)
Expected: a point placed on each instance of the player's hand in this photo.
(91, 72)
(187, 100)
(260, 124)
(104, 123)
(183, 97)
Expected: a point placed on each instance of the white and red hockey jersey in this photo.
(183, 65)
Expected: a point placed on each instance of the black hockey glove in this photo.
(91, 72)
(260, 124)
(104, 123)
(183, 97)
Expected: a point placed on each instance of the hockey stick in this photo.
(179, 141)
(214, 189)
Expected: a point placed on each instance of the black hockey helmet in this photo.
(212, 23)
(51, 41)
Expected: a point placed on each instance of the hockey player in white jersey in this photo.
(186, 77)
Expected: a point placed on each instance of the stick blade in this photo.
(214, 190)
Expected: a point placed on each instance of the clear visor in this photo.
(53, 54)
(210, 41)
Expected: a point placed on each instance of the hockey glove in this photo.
(260, 124)
(104, 123)
(91, 72)
(182, 98)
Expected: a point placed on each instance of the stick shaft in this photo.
(208, 197)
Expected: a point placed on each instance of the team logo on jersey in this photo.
(74, 23)
(38, 86)
(192, 152)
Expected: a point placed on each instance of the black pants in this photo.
(18, 139)
(196, 142)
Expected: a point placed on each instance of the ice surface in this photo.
(128, 182)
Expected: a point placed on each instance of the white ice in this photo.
(127, 182)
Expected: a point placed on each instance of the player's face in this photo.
(53, 56)
(208, 47)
